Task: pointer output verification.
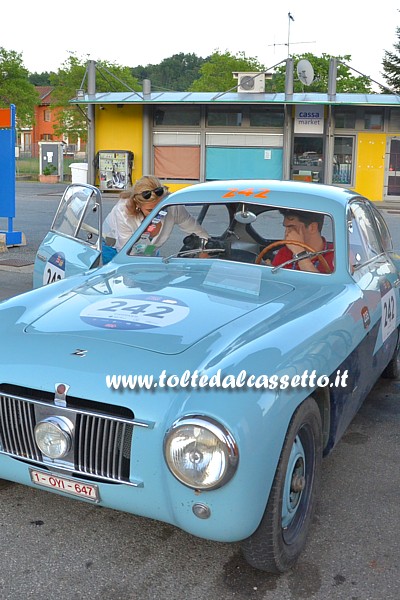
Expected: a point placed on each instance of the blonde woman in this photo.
(136, 203)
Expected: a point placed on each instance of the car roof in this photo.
(295, 194)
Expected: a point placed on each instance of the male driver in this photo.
(302, 226)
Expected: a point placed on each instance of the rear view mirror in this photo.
(245, 216)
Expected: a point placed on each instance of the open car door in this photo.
(73, 244)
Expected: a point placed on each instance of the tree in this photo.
(345, 82)
(391, 65)
(15, 87)
(72, 76)
(175, 73)
(216, 73)
(40, 78)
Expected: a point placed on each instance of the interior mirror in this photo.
(245, 216)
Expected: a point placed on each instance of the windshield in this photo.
(240, 232)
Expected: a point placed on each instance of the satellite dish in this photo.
(305, 72)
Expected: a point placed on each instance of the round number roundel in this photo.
(142, 311)
(54, 269)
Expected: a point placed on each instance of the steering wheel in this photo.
(283, 243)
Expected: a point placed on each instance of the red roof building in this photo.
(43, 129)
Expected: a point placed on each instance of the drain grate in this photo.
(15, 262)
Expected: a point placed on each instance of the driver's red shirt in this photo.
(285, 254)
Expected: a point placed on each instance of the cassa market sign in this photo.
(309, 119)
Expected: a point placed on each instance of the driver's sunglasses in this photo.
(146, 195)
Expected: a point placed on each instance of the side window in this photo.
(216, 220)
(386, 239)
(362, 238)
(89, 229)
(78, 214)
(269, 227)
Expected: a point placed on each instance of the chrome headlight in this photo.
(54, 436)
(200, 452)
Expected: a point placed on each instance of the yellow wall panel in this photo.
(370, 171)
(121, 129)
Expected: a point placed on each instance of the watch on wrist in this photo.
(300, 255)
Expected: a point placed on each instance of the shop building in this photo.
(350, 140)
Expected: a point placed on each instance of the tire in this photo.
(392, 371)
(281, 536)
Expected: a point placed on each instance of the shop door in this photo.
(392, 170)
(308, 159)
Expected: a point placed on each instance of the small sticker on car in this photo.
(366, 317)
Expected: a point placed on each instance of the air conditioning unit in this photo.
(253, 83)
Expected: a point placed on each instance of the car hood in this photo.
(166, 309)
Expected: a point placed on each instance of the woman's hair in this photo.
(147, 182)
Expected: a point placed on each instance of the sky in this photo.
(130, 33)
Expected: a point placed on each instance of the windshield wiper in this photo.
(194, 251)
(294, 260)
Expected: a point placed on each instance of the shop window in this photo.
(343, 160)
(268, 117)
(373, 119)
(394, 119)
(177, 115)
(224, 118)
(345, 119)
(177, 162)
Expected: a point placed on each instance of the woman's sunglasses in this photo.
(146, 195)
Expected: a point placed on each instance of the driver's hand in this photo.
(291, 235)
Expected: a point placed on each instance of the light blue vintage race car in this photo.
(200, 382)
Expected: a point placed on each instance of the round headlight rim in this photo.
(224, 436)
(65, 426)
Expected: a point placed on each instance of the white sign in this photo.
(309, 119)
(389, 317)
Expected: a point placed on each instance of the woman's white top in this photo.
(120, 225)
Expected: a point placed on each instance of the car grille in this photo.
(101, 444)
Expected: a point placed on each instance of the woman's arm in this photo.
(188, 223)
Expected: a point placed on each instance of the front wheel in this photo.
(281, 536)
